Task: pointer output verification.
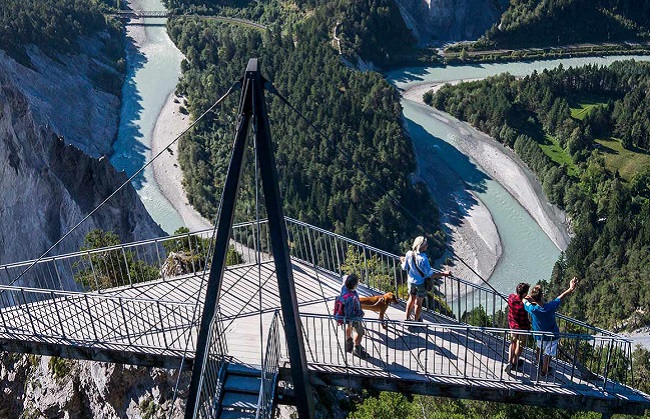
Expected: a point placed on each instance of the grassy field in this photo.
(627, 162)
(581, 105)
(552, 149)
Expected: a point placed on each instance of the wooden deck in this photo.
(437, 358)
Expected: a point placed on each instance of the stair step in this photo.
(243, 401)
(243, 383)
(235, 414)
(241, 369)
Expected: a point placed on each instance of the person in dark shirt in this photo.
(517, 320)
(543, 315)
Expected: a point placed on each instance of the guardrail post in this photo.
(58, 275)
(609, 356)
(458, 301)
(126, 266)
(92, 269)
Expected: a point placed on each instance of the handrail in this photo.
(270, 369)
(414, 349)
(94, 295)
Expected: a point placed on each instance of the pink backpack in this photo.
(339, 307)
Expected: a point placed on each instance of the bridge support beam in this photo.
(252, 106)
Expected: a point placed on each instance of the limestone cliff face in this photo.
(47, 182)
(39, 386)
(48, 186)
(450, 20)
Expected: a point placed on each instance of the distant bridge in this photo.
(137, 14)
(162, 14)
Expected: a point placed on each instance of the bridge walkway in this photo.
(154, 322)
(437, 357)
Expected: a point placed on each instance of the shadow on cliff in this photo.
(448, 173)
(129, 152)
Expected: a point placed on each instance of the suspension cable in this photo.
(128, 181)
(372, 179)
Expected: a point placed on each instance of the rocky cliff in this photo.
(53, 125)
(450, 20)
(36, 386)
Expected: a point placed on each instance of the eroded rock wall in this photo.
(51, 174)
(40, 386)
(450, 20)
(48, 186)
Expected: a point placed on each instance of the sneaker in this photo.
(360, 352)
(508, 368)
(520, 363)
(549, 372)
(349, 345)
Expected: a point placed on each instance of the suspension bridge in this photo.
(248, 306)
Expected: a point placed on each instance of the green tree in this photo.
(114, 267)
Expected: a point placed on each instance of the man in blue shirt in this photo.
(543, 319)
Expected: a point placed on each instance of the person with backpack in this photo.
(348, 307)
(416, 263)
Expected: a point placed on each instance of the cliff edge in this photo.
(54, 124)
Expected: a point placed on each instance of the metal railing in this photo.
(270, 369)
(77, 283)
(415, 351)
(126, 265)
(382, 271)
(124, 322)
(213, 372)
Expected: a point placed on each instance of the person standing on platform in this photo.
(353, 315)
(517, 320)
(543, 316)
(416, 263)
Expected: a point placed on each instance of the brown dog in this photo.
(379, 304)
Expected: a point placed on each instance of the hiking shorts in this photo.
(548, 346)
(358, 327)
(419, 290)
(521, 337)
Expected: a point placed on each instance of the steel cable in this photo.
(230, 90)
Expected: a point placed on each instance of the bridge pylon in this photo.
(252, 106)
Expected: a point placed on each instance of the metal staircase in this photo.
(241, 392)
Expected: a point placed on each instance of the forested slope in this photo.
(55, 26)
(529, 23)
(358, 112)
(571, 126)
